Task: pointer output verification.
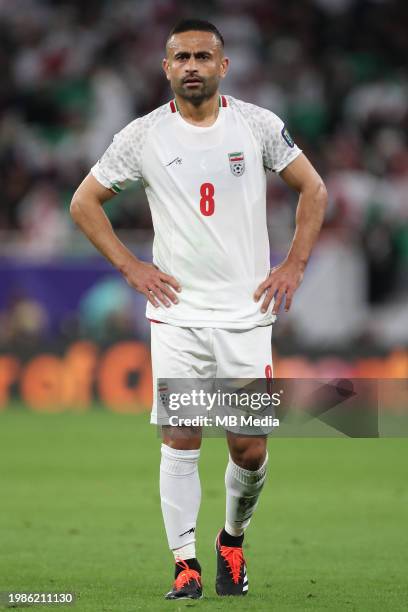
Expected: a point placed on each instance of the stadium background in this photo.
(74, 73)
(79, 507)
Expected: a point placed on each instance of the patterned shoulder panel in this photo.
(277, 147)
(121, 164)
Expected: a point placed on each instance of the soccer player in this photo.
(211, 296)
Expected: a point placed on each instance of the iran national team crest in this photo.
(237, 163)
(163, 388)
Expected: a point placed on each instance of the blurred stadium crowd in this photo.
(74, 73)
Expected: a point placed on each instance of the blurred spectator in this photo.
(24, 322)
(44, 224)
(74, 73)
(107, 311)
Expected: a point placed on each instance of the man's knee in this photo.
(182, 438)
(248, 453)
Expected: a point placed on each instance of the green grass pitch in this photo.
(80, 512)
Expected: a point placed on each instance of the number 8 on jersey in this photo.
(207, 204)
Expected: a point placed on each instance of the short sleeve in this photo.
(279, 149)
(121, 164)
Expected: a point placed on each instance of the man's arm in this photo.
(87, 212)
(285, 278)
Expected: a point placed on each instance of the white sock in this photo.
(185, 552)
(180, 494)
(243, 488)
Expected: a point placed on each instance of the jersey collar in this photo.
(222, 102)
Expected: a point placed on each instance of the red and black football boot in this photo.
(187, 584)
(231, 569)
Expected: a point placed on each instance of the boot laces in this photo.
(234, 559)
(186, 575)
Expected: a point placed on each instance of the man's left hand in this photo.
(283, 280)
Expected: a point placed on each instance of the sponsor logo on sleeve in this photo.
(287, 137)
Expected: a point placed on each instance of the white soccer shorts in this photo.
(186, 352)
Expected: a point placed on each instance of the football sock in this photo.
(243, 488)
(227, 539)
(180, 493)
(185, 552)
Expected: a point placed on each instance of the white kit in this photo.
(206, 187)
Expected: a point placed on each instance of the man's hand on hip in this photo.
(152, 282)
(283, 280)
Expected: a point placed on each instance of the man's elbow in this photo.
(75, 209)
(320, 194)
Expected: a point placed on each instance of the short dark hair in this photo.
(200, 25)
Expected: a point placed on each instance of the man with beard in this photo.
(211, 296)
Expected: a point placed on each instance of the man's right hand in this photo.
(152, 282)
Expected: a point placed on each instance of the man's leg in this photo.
(179, 353)
(180, 494)
(241, 354)
(180, 489)
(244, 479)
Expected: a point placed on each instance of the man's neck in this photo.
(203, 115)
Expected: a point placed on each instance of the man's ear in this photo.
(225, 62)
(165, 66)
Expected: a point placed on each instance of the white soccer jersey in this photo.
(206, 187)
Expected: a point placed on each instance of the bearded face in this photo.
(194, 65)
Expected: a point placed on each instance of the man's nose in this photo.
(191, 65)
